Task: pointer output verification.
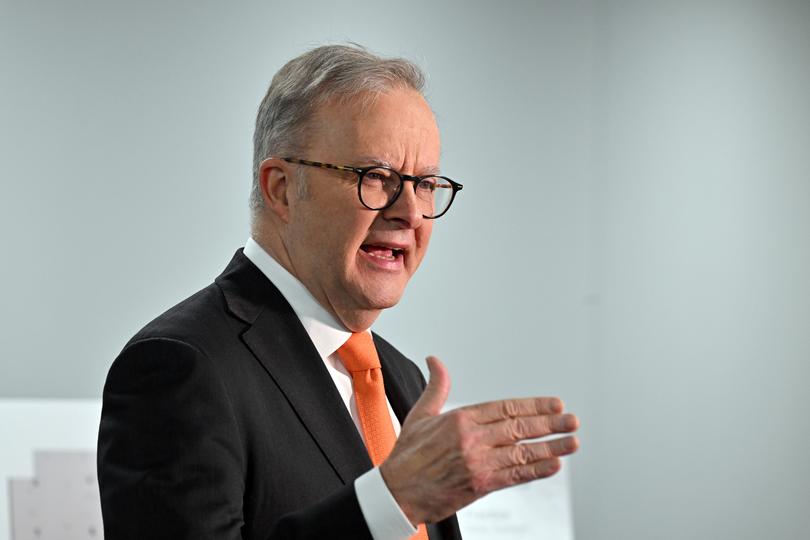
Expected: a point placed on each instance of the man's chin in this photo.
(363, 309)
(384, 302)
(380, 299)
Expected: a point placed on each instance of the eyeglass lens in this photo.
(380, 186)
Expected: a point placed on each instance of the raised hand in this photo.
(443, 462)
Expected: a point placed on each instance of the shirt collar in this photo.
(326, 332)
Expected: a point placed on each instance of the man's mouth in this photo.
(385, 253)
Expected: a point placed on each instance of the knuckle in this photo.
(541, 469)
(544, 451)
(467, 443)
(509, 409)
(516, 430)
(479, 485)
(558, 447)
(458, 419)
(453, 426)
(519, 475)
(521, 455)
(469, 437)
(545, 424)
(468, 461)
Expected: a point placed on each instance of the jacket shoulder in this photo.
(195, 320)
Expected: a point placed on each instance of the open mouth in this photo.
(384, 253)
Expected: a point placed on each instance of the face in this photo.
(355, 260)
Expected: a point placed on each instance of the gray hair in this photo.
(310, 80)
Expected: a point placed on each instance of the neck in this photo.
(355, 320)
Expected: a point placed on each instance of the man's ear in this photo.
(274, 179)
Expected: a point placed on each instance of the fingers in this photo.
(494, 411)
(520, 463)
(514, 430)
(434, 396)
(504, 457)
(520, 474)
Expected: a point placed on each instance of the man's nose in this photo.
(406, 209)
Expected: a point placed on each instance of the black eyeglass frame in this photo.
(361, 172)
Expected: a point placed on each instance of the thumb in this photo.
(432, 400)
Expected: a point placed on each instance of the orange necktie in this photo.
(360, 358)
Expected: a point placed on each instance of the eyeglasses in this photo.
(379, 187)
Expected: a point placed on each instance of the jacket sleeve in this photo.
(171, 463)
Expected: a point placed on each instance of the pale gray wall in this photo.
(702, 255)
(633, 235)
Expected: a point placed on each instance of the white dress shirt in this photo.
(384, 518)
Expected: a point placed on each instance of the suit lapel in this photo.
(279, 342)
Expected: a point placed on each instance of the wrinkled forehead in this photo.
(396, 128)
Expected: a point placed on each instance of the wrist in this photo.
(410, 510)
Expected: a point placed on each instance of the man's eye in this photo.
(378, 175)
(426, 184)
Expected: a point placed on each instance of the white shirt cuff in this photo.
(384, 517)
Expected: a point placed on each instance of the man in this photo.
(262, 407)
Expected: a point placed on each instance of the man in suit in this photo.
(262, 407)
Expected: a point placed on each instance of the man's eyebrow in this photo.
(369, 160)
(434, 169)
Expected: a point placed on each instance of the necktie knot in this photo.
(359, 353)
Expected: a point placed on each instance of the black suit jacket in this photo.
(220, 421)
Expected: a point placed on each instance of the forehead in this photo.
(396, 128)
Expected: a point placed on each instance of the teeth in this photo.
(383, 257)
(382, 252)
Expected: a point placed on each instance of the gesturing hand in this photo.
(443, 462)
